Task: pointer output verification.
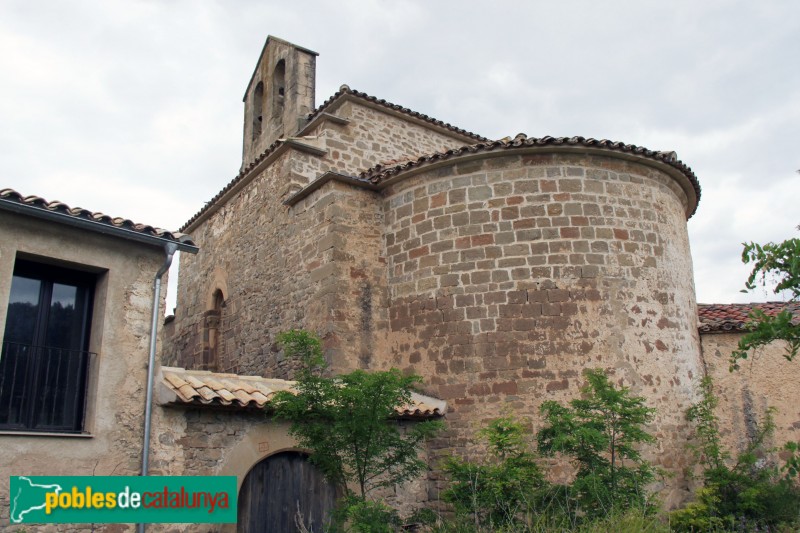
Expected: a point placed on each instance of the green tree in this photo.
(349, 425)
(778, 264)
(602, 433)
(498, 493)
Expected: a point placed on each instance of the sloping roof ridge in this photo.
(344, 89)
(379, 172)
(239, 177)
(79, 213)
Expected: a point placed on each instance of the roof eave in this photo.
(392, 175)
(183, 243)
(325, 178)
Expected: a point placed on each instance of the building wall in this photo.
(230, 443)
(316, 265)
(764, 381)
(509, 276)
(120, 337)
(376, 136)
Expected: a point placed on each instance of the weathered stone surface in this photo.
(597, 314)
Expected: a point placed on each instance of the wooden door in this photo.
(276, 488)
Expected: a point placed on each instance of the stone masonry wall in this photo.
(316, 265)
(272, 267)
(766, 380)
(509, 276)
(374, 137)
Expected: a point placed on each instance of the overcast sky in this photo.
(134, 108)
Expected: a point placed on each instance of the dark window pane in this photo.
(23, 308)
(65, 322)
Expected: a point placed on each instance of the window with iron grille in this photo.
(44, 362)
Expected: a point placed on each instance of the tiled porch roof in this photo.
(179, 386)
(36, 205)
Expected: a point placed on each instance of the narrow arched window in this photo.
(214, 334)
(278, 89)
(258, 109)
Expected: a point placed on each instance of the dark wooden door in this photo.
(276, 488)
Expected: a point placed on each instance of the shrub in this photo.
(498, 493)
(740, 494)
(601, 433)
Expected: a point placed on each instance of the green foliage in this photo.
(708, 451)
(779, 264)
(349, 425)
(744, 494)
(365, 516)
(497, 493)
(601, 432)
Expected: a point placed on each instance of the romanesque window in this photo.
(258, 113)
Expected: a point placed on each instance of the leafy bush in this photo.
(497, 493)
(743, 494)
(360, 515)
(601, 433)
(778, 264)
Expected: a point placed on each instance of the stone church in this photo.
(498, 270)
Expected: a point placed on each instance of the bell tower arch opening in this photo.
(258, 112)
(278, 94)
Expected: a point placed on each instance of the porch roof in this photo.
(182, 387)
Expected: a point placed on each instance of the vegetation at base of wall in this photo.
(601, 433)
(349, 425)
(500, 492)
(778, 264)
(629, 522)
(745, 493)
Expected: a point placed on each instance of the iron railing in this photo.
(43, 388)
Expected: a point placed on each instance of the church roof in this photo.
(60, 212)
(179, 386)
(344, 90)
(382, 172)
(733, 318)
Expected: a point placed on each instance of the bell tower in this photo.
(279, 97)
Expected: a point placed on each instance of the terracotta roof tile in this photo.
(199, 387)
(383, 172)
(344, 89)
(13, 197)
(724, 318)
